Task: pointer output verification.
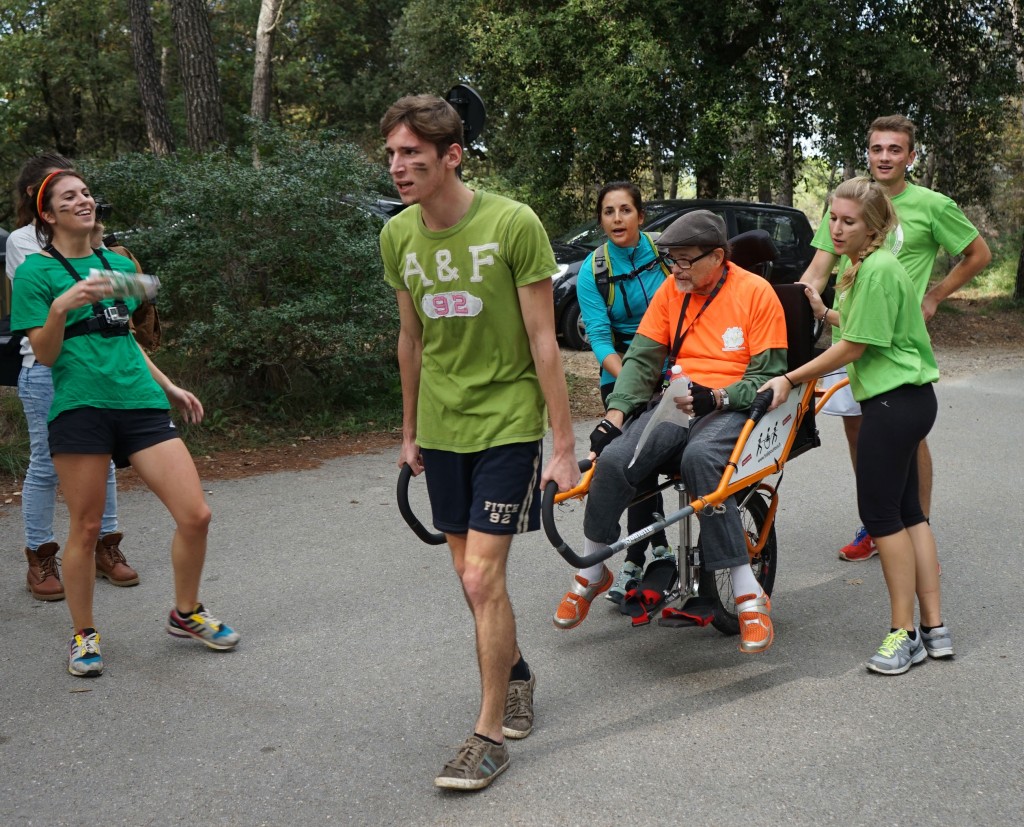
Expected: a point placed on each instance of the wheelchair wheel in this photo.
(718, 584)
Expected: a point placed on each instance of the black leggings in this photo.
(641, 514)
(893, 425)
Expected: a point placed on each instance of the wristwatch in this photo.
(725, 399)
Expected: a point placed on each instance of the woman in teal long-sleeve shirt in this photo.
(630, 275)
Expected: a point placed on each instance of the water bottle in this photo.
(678, 386)
(125, 285)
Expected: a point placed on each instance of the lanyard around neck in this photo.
(677, 340)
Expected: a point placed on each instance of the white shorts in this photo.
(841, 403)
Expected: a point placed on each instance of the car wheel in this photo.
(574, 334)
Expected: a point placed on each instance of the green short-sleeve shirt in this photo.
(880, 311)
(91, 371)
(478, 382)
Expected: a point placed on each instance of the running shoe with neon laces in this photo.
(756, 630)
(478, 763)
(84, 659)
(629, 575)
(862, 548)
(573, 609)
(518, 720)
(897, 653)
(202, 626)
(938, 642)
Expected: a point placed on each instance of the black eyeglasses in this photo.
(683, 263)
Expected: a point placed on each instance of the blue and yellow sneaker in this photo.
(202, 626)
(84, 659)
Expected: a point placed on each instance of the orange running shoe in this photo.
(572, 611)
(756, 630)
(862, 548)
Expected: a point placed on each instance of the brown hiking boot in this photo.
(110, 562)
(43, 579)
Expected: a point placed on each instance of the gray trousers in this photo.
(700, 453)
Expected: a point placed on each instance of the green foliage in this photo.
(13, 434)
(271, 279)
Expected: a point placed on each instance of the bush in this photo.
(271, 281)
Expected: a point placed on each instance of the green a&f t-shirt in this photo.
(478, 383)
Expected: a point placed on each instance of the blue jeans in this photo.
(39, 493)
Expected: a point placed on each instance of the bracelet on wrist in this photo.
(823, 316)
(792, 384)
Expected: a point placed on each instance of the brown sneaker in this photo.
(43, 579)
(477, 765)
(110, 562)
(518, 720)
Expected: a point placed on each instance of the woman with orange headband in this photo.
(110, 401)
(35, 390)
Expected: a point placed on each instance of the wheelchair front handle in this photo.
(429, 537)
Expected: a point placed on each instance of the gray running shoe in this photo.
(663, 553)
(897, 653)
(84, 659)
(938, 642)
(629, 575)
(518, 720)
(477, 765)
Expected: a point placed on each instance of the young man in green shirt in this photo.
(478, 359)
(928, 221)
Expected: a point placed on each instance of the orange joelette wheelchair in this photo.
(691, 595)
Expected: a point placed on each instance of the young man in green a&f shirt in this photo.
(928, 221)
(479, 360)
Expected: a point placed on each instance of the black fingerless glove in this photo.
(604, 433)
(703, 400)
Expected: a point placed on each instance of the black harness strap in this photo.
(97, 322)
(677, 340)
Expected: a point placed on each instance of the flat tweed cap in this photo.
(700, 228)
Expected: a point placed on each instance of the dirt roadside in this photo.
(968, 337)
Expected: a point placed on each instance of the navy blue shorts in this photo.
(117, 433)
(494, 491)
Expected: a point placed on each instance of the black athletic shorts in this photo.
(119, 433)
(494, 491)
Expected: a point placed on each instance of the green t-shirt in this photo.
(879, 310)
(91, 371)
(928, 221)
(478, 382)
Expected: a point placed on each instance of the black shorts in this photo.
(494, 491)
(118, 433)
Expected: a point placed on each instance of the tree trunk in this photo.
(151, 91)
(657, 170)
(1018, 287)
(197, 64)
(270, 15)
(787, 173)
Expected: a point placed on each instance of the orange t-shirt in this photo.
(744, 319)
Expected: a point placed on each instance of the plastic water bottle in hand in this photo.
(125, 285)
(678, 386)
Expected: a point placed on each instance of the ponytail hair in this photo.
(32, 172)
(877, 213)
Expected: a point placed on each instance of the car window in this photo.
(659, 219)
(587, 235)
(778, 225)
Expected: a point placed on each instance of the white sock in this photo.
(594, 573)
(744, 582)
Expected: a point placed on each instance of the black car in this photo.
(788, 228)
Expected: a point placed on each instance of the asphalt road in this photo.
(355, 679)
